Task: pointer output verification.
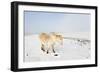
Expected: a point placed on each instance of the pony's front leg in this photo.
(53, 49)
(47, 51)
(42, 48)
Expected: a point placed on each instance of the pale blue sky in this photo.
(36, 22)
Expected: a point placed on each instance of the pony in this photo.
(49, 41)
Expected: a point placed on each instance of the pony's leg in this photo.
(47, 51)
(42, 48)
(53, 49)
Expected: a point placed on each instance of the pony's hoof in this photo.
(42, 49)
(56, 55)
(47, 52)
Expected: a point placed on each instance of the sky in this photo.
(37, 22)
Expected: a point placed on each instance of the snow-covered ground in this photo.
(75, 46)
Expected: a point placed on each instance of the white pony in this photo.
(48, 41)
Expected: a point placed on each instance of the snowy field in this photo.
(75, 47)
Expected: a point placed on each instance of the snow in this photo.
(71, 49)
